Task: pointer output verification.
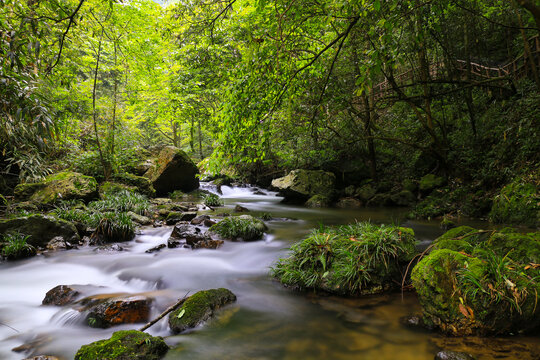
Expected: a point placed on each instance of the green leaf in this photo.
(181, 313)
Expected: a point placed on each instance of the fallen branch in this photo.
(162, 315)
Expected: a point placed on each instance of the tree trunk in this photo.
(200, 141)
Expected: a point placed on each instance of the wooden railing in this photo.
(517, 69)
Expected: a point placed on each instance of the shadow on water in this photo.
(267, 322)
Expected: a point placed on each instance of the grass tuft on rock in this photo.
(360, 258)
(212, 200)
(244, 227)
(13, 246)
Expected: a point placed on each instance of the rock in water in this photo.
(116, 311)
(60, 295)
(61, 186)
(173, 170)
(299, 185)
(198, 308)
(41, 229)
(453, 355)
(243, 227)
(125, 345)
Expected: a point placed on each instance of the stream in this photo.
(267, 322)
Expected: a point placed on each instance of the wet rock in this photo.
(199, 219)
(174, 216)
(453, 355)
(349, 203)
(61, 295)
(161, 201)
(139, 219)
(414, 322)
(299, 185)
(199, 307)
(403, 198)
(143, 167)
(239, 208)
(185, 233)
(317, 201)
(366, 192)
(111, 247)
(58, 243)
(243, 227)
(125, 345)
(156, 248)
(380, 200)
(259, 192)
(209, 223)
(117, 311)
(61, 186)
(43, 357)
(41, 229)
(173, 170)
(208, 244)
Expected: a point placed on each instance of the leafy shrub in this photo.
(212, 200)
(122, 201)
(15, 246)
(517, 203)
(353, 259)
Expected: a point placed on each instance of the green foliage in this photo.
(518, 203)
(243, 227)
(114, 226)
(122, 201)
(352, 259)
(212, 200)
(13, 246)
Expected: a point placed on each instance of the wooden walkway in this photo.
(516, 69)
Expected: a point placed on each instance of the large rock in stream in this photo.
(199, 307)
(61, 186)
(481, 282)
(104, 311)
(41, 229)
(299, 185)
(173, 170)
(125, 345)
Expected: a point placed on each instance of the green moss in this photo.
(139, 183)
(480, 282)
(430, 182)
(517, 203)
(318, 201)
(198, 308)
(244, 227)
(125, 345)
(360, 258)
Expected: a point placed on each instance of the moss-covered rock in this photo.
(243, 227)
(318, 201)
(480, 282)
(355, 259)
(125, 345)
(61, 186)
(199, 307)
(299, 185)
(366, 192)
(349, 203)
(403, 198)
(173, 170)
(140, 184)
(40, 229)
(517, 203)
(430, 182)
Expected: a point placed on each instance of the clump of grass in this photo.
(14, 246)
(266, 216)
(352, 259)
(115, 226)
(212, 200)
(243, 227)
(122, 201)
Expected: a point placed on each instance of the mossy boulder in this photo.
(430, 182)
(366, 192)
(243, 227)
(199, 307)
(299, 185)
(480, 282)
(61, 186)
(356, 259)
(318, 201)
(173, 170)
(125, 345)
(403, 198)
(517, 203)
(41, 229)
(140, 184)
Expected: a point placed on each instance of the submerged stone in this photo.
(199, 307)
(125, 345)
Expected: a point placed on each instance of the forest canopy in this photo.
(366, 89)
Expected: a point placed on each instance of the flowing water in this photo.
(267, 322)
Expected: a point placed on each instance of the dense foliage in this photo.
(366, 89)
